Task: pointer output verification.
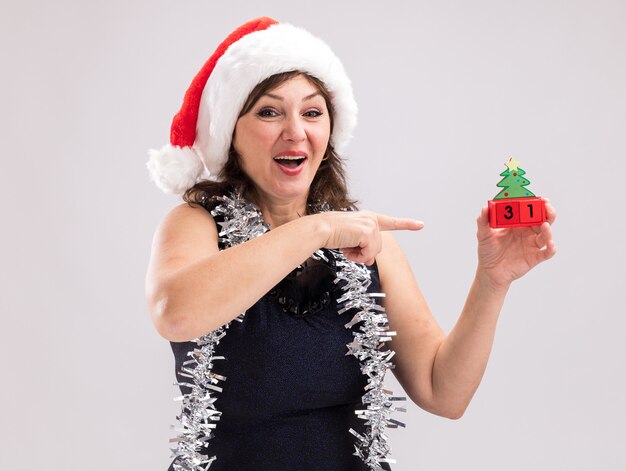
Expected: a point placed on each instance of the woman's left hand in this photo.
(507, 254)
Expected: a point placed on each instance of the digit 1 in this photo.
(530, 207)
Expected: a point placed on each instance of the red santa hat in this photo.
(202, 130)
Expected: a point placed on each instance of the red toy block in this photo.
(507, 214)
(532, 212)
(517, 212)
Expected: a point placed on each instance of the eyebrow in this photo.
(279, 98)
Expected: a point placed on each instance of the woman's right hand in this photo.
(357, 233)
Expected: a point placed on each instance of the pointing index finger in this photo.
(388, 223)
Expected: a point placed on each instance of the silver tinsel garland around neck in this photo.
(243, 221)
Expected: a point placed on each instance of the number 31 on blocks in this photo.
(515, 205)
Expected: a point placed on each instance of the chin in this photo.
(292, 190)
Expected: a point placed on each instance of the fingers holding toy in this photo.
(545, 243)
(550, 211)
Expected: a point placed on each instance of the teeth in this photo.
(289, 157)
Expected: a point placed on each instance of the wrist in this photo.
(319, 228)
(492, 281)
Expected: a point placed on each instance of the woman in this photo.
(264, 122)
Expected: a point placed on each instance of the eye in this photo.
(267, 113)
(313, 114)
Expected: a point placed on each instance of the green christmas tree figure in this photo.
(513, 182)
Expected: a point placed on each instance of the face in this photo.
(283, 138)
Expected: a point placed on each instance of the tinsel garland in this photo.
(242, 221)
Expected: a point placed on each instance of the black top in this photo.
(290, 392)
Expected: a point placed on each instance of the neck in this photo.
(277, 212)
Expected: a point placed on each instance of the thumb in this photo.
(483, 223)
(483, 218)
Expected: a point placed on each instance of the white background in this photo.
(447, 92)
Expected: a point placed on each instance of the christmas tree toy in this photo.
(515, 205)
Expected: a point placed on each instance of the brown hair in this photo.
(328, 185)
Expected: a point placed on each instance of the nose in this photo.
(294, 129)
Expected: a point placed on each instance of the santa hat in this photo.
(201, 132)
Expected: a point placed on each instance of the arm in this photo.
(193, 288)
(441, 373)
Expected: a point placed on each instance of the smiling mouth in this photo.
(289, 162)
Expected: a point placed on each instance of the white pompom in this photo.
(175, 169)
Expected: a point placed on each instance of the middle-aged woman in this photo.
(268, 230)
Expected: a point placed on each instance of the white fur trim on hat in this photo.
(175, 169)
(249, 61)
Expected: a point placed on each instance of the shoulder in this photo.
(187, 217)
(188, 211)
(186, 229)
(391, 252)
(393, 265)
